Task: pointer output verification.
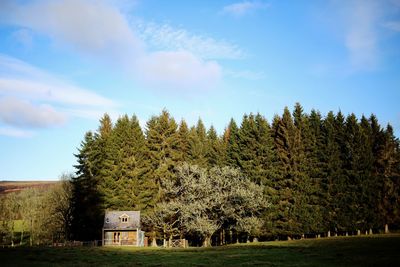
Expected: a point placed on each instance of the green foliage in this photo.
(334, 173)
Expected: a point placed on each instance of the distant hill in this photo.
(15, 186)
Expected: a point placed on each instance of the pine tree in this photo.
(231, 140)
(256, 149)
(284, 218)
(214, 151)
(198, 144)
(86, 207)
(388, 161)
(162, 153)
(306, 189)
(122, 169)
(183, 145)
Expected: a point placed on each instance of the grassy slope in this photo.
(378, 250)
(15, 186)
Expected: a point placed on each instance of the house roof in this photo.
(113, 220)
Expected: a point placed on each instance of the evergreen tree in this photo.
(215, 153)
(162, 154)
(183, 145)
(307, 208)
(256, 149)
(87, 213)
(388, 161)
(198, 144)
(231, 140)
(122, 169)
(284, 218)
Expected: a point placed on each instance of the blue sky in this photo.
(65, 63)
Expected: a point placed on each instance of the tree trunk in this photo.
(207, 241)
(31, 234)
(329, 233)
(12, 237)
(370, 231)
(358, 232)
(386, 228)
(154, 240)
(22, 237)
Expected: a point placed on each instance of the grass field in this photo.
(377, 250)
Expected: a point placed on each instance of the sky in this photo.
(63, 64)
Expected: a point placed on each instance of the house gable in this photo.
(122, 220)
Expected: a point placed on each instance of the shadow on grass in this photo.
(352, 251)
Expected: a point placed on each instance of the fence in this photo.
(94, 243)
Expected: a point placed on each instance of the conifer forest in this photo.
(299, 175)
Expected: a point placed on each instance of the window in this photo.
(124, 218)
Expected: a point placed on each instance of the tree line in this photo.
(301, 174)
(318, 174)
(37, 215)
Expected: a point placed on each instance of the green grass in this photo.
(377, 250)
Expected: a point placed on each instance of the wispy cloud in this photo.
(392, 25)
(166, 37)
(361, 37)
(183, 66)
(32, 98)
(89, 26)
(240, 9)
(101, 30)
(359, 24)
(21, 79)
(21, 113)
(14, 132)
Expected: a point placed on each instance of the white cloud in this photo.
(240, 9)
(20, 113)
(166, 37)
(56, 92)
(14, 132)
(393, 25)
(359, 25)
(361, 36)
(32, 98)
(100, 29)
(89, 26)
(20, 79)
(179, 69)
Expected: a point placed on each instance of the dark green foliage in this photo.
(335, 173)
(231, 139)
(86, 200)
(122, 168)
(162, 153)
(198, 144)
(215, 153)
(183, 145)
